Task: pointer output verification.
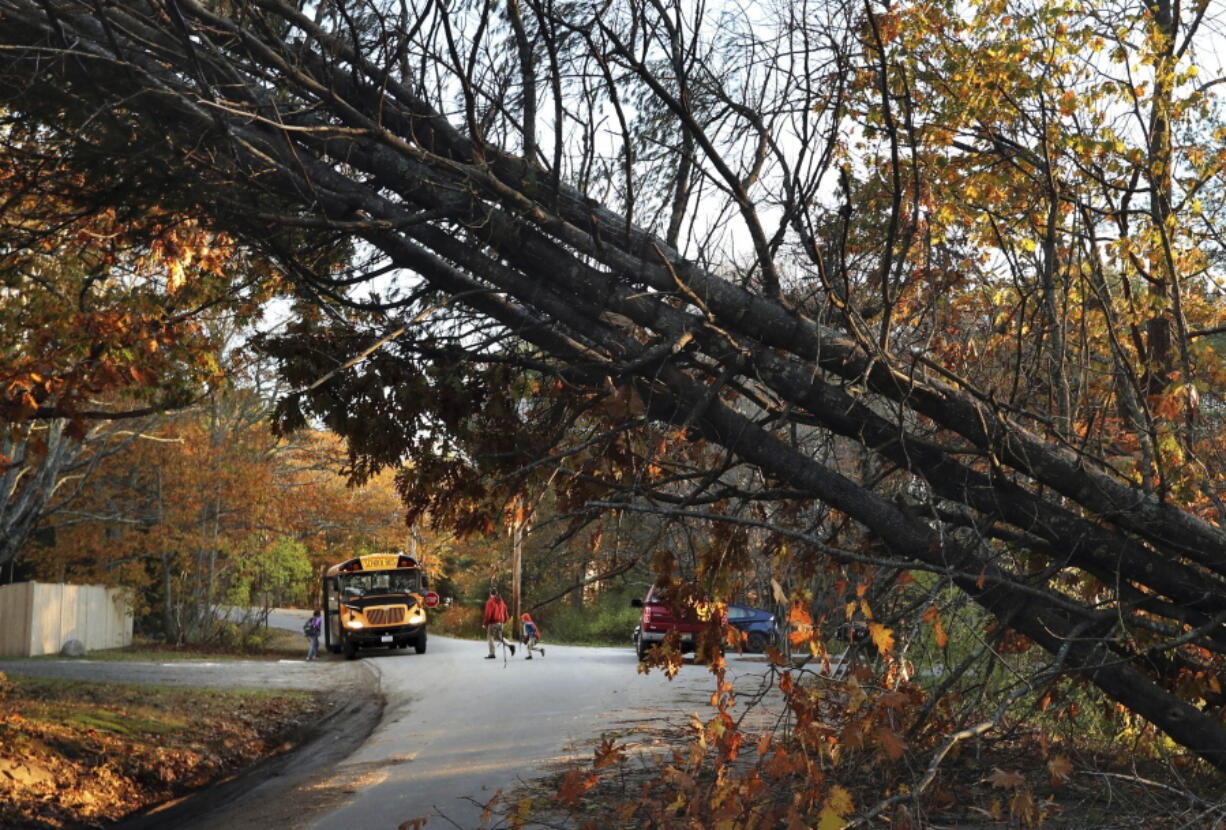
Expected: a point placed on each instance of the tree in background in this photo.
(109, 313)
(209, 510)
(916, 302)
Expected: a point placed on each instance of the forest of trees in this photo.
(909, 314)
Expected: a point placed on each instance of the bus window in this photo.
(404, 582)
(380, 582)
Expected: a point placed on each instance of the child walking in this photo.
(311, 630)
(532, 636)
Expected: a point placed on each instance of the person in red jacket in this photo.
(494, 620)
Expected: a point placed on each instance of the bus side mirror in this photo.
(425, 580)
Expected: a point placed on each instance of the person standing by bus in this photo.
(532, 636)
(494, 620)
(311, 630)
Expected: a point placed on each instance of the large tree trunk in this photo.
(280, 122)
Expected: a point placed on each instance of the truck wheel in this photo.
(351, 650)
(757, 642)
(419, 645)
(640, 648)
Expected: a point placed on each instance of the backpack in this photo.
(308, 628)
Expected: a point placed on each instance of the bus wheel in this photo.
(351, 650)
(419, 645)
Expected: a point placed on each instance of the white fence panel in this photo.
(38, 618)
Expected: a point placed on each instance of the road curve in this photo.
(458, 728)
(455, 729)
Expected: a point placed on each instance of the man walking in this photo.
(495, 618)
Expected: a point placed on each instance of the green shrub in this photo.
(227, 635)
(608, 620)
(257, 639)
(240, 638)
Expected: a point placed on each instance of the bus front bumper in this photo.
(399, 635)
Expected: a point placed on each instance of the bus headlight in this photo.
(417, 618)
(351, 623)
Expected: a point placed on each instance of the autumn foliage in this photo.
(906, 319)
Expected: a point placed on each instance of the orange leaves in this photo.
(666, 656)
(1022, 803)
(891, 742)
(1059, 769)
(608, 753)
(107, 296)
(999, 779)
(802, 625)
(574, 784)
(933, 618)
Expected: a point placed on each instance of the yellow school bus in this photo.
(376, 601)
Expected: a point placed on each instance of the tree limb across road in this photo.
(1033, 431)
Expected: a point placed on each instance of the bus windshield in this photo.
(380, 582)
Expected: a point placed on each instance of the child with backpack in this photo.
(311, 630)
(532, 636)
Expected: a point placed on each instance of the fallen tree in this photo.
(791, 242)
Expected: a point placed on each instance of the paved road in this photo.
(456, 728)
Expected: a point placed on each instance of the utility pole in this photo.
(518, 518)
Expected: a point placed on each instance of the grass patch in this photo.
(272, 644)
(74, 753)
(606, 621)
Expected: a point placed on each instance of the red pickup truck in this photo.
(658, 619)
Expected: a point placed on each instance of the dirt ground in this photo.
(167, 747)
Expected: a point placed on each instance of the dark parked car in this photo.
(758, 626)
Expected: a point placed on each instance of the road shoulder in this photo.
(287, 790)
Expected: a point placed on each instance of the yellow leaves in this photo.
(856, 696)
(174, 276)
(883, 638)
(837, 806)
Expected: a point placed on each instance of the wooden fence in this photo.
(38, 618)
